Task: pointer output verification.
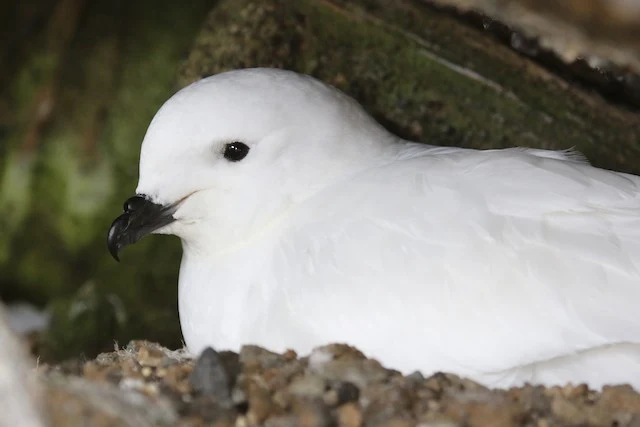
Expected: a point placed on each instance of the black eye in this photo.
(235, 151)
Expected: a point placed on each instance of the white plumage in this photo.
(505, 266)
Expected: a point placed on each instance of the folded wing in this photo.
(469, 261)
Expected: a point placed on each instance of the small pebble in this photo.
(254, 356)
(349, 415)
(146, 371)
(311, 413)
(307, 386)
(209, 377)
(347, 392)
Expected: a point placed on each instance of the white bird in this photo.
(304, 222)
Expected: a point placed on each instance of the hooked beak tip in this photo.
(114, 253)
(113, 243)
(141, 216)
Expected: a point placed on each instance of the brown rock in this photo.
(311, 413)
(259, 399)
(349, 415)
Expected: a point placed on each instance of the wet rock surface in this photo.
(336, 385)
(600, 30)
(617, 83)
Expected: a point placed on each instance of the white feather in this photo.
(506, 266)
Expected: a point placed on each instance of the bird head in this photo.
(229, 154)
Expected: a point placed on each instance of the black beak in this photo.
(141, 216)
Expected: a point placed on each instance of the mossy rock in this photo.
(422, 74)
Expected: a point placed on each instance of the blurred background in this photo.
(80, 81)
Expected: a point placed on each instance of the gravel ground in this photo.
(145, 384)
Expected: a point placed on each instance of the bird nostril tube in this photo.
(133, 203)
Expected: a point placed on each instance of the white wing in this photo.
(476, 262)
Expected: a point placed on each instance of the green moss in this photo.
(84, 323)
(37, 72)
(118, 69)
(420, 73)
(15, 197)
